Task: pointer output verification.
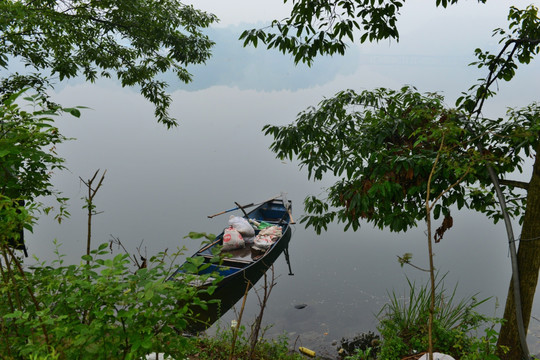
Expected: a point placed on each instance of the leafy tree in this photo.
(59, 311)
(324, 27)
(27, 156)
(134, 39)
(384, 143)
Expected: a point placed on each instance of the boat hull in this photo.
(240, 275)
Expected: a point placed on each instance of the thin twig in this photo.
(235, 332)
(90, 205)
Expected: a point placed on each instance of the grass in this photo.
(458, 329)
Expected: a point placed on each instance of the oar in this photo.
(226, 211)
(272, 198)
(244, 206)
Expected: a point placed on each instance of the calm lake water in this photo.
(162, 184)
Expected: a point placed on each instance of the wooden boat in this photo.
(239, 267)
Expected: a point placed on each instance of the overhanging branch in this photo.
(514, 183)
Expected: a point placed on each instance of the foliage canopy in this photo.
(382, 144)
(134, 39)
(324, 27)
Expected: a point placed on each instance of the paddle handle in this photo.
(288, 207)
(291, 220)
(226, 211)
(223, 212)
(244, 206)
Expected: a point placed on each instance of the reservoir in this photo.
(160, 185)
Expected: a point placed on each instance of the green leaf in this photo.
(149, 294)
(437, 211)
(196, 261)
(147, 343)
(190, 268)
(87, 258)
(73, 111)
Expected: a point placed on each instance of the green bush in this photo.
(359, 354)
(219, 347)
(458, 330)
(96, 310)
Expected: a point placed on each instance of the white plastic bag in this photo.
(437, 356)
(232, 239)
(273, 231)
(267, 237)
(263, 242)
(243, 227)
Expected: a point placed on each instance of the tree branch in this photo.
(515, 183)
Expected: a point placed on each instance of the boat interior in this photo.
(238, 259)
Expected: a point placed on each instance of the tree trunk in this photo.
(528, 264)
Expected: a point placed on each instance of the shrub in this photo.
(99, 309)
(403, 325)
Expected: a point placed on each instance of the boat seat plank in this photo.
(239, 254)
(247, 254)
